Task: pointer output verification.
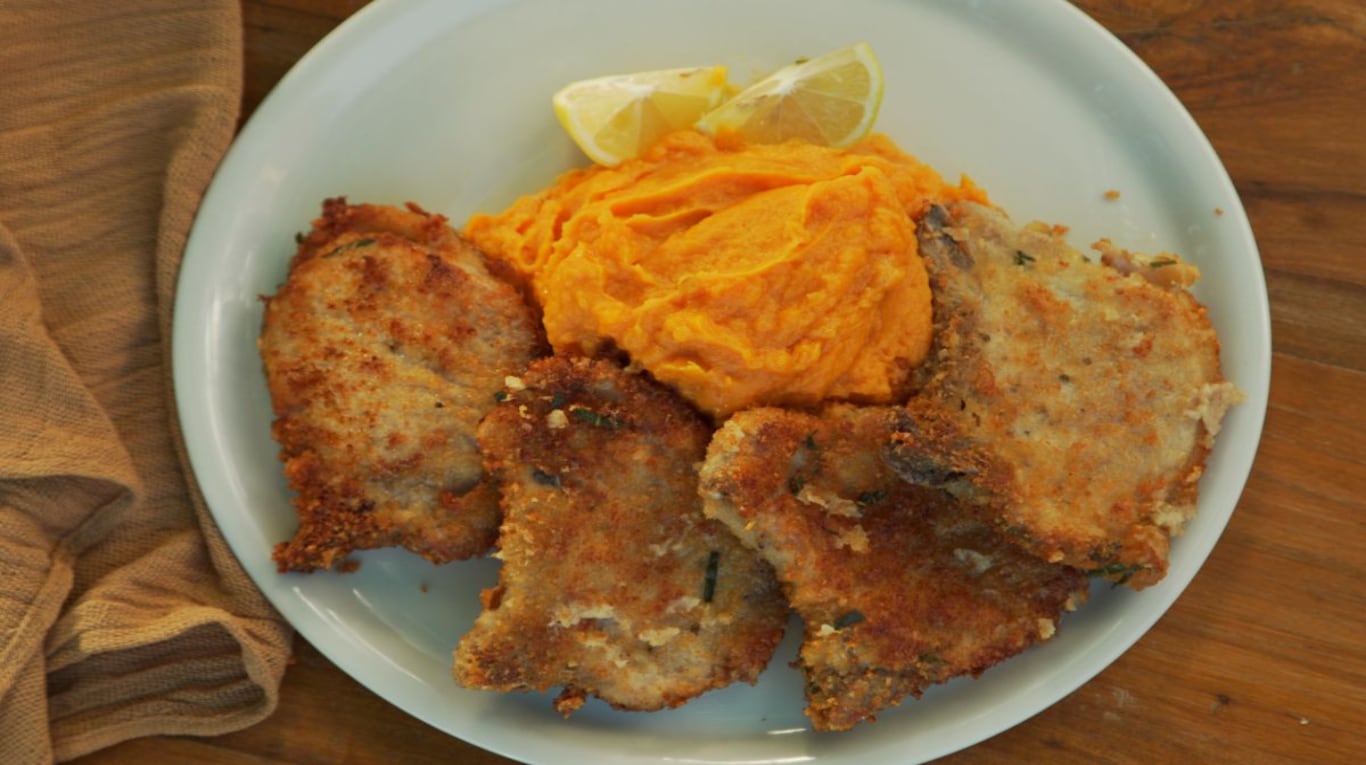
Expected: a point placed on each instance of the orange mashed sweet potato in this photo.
(781, 274)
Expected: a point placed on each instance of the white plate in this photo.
(448, 104)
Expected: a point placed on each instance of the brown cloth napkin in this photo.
(122, 612)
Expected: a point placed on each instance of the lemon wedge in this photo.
(830, 100)
(617, 117)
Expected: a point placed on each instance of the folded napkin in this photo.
(122, 612)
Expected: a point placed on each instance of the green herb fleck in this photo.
(807, 468)
(931, 659)
(849, 620)
(1018, 532)
(500, 396)
(350, 246)
(546, 479)
(1119, 573)
(1160, 262)
(867, 498)
(1022, 257)
(709, 579)
(595, 419)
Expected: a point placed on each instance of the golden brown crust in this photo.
(1095, 388)
(899, 587)
(613, 583)
(382, 350)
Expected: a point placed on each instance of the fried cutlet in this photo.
(383, 349)
(1086, 394)
(613, 583)
(898, 587)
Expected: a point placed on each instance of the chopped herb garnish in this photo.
(709, 579)
(298, 237)
(546, 479)
(932, 659)
(1018, 532)
(500, 396)
(849, 620)
(1160, 262)
(1022, 257)
(870, 497)
(1119, 573)
(350, 246)
(595, 419)
(806, 468)
(557, 401)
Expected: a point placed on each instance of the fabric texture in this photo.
(122, 612)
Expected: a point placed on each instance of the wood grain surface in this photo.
(1263, 659)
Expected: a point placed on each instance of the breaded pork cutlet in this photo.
(613, 583)
(1090, 391)
(899, 588)
(383, 349)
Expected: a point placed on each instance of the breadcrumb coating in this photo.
(383, 349)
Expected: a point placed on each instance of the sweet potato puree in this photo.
(740, 275)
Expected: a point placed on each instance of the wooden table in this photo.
(1263, 659)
